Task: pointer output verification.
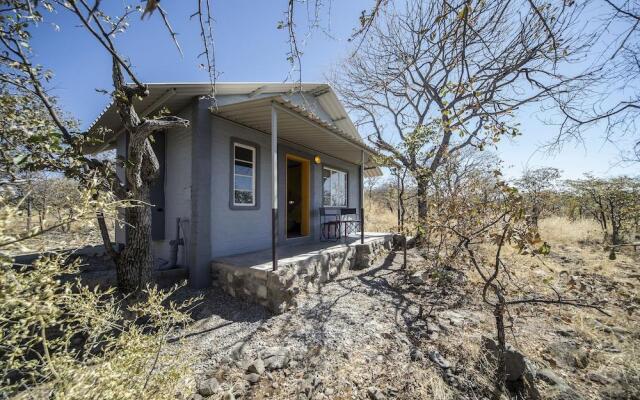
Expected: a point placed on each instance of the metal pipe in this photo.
(274, 187)
(398, 199)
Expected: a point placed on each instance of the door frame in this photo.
(305, 213)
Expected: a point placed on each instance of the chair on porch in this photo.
(349, 219)
(329, 225)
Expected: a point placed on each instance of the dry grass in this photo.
(379, 218)
(80, 233)
(579, 267)
(560, 230)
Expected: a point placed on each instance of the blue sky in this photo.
(250, 48)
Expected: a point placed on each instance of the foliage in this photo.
(65, 341)
(62, 340)
(538, 186)
(614, 203)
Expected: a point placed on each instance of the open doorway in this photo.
(297, 196)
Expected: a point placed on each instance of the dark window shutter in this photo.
(157, 189)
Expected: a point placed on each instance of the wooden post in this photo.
(362, 198)
(274, 188)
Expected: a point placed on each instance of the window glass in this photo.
(244, 175)
(334, 188)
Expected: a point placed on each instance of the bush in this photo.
(65, 341)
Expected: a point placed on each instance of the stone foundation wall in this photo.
(277, 290)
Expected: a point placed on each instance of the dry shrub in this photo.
(561, 230)
(65, 341)
(62, 340)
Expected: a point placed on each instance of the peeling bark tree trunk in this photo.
(134, 263)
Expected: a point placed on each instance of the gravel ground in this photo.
(345, 340)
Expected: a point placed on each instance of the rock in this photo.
(375, 394)
(252, 378)
(329, 391)
(256, 367)
(568, 353)
(595, 377)
(416, 355)
(439, 360)
(208, 387)
(417, 278)
(515, 362)
(195, 396)
(550, 377)
(275, 358)
(237, 351)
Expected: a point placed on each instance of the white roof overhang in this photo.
(338, 138)
(298, 126)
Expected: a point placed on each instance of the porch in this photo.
(301, 267)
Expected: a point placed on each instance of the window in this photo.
(244, 175)
(334, 187)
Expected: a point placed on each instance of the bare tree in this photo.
(23, 78)
(609, 96)
(434, 78)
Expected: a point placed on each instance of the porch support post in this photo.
(398, 199)
(362, 198)
(274, 187)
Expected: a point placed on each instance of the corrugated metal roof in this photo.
(176, 96)
(298, 126)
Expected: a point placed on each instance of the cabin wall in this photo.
(177, 191)
(243, 230)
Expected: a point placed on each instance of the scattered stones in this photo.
(256, 367)
(440, 361)
(375, 394)
(329, 391)
(416, 355)
(275, 358)
(208, 387)
(252, 378)
(595, 377)
(550, 377)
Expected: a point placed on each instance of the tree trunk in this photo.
(423, 209)
(134, 264)
(500, 373)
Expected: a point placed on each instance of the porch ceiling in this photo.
(301, 127)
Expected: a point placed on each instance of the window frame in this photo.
(346, 186)
(255, 149)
